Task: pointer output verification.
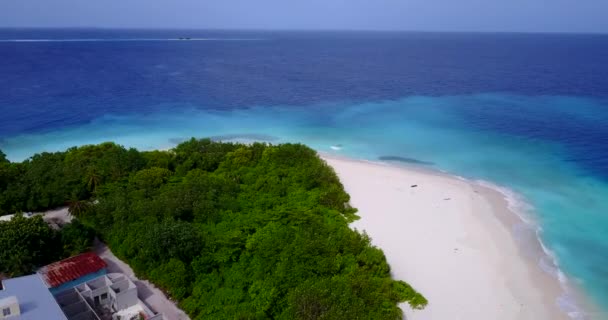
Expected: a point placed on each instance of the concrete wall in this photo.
(106, 284)
(74, 305)
(125, 299)
(75, 309)
(120, 286)
(67, 298)
(98, 287)
(98, 293)
(79, 281)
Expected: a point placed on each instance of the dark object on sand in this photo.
(414, 185)
(405, 160)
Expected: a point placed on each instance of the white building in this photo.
(28, 298)
(111, 296)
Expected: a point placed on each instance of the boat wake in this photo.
(129, 40)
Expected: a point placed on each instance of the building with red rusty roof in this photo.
(76, 288)
(70, 272)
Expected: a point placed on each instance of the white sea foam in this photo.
(336, 147)
(568, 304)
(515, 202)
(548, 262)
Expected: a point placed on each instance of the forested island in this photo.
(230, 231)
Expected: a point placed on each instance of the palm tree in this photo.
(93, 180)
(77, 208)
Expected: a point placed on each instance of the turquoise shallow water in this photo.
(549, 149)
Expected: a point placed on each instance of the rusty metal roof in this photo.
(60, 272)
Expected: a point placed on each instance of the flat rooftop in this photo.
(35, 299)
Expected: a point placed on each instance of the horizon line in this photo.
(305, 30)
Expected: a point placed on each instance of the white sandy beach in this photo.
(451, 240)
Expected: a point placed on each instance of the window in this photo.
(6, 312)
(104, 296)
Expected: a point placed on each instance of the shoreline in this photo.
(482, 262)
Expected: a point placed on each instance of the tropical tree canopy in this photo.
(29, 243)
(231, 231)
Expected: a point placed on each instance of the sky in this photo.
(411, 15)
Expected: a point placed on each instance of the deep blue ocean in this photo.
(528, 112)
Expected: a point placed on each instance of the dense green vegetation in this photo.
(231, 231)
(49, 180)
(29, 243)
